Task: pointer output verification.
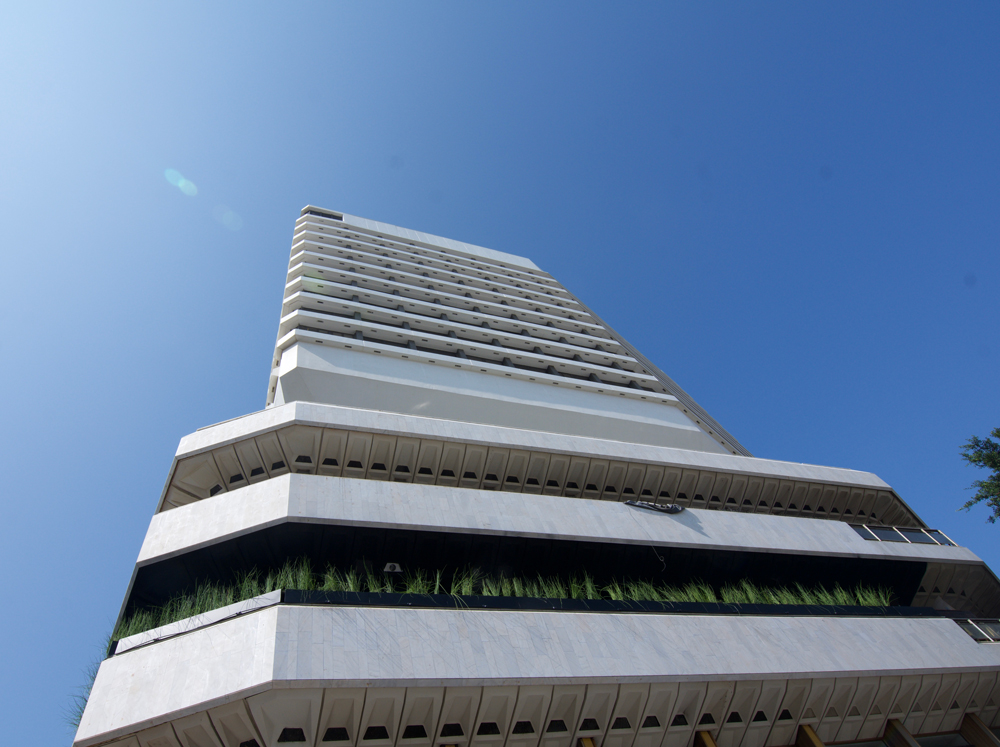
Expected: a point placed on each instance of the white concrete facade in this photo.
(427, 388)
(910, 666)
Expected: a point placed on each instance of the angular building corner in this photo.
(448, 413)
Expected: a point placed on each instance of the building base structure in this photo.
(443, 407)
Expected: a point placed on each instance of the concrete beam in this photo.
(807, 737)
(896, 735)
(976, 733)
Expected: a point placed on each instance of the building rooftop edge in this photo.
(427, 238)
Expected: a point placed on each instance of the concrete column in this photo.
(976, 733)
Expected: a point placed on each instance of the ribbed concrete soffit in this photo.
(334, 441)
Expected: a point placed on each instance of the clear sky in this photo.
(792, 208)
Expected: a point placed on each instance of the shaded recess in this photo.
(352, 547)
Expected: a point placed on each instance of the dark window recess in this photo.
(734, 718)
(523, 727)
(488, 729)
(556, 725)
(942, 540)
(916, 536)
(376, 732)
(706, 720)
(511, 478)
(378, 467)
(402, 468)
(571, 486)
(235, 478)
(215, 489)
(424, 471)
(862, 532)
(249, 743)
(714, 499)
(610, 489)
(628, 491)
(531, 481)
(303, 459)
(650, 722)
(354, 464)
(278, 465)
(468, 475)
(785, 716)
(679, 720)
(759, 716)
(415, 731)
(292, 734)
(452, 730)
(699, 497)
(491, 478)
(551, 484)
(591, 486)
(621, 723)
(256, 471)
(886, 534)
(336, 734)
(589, 724)
(447, 473)
(330, 462)
(331, 216)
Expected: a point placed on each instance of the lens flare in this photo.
(227, 217)
(175, 178)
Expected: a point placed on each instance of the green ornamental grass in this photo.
(299, 574)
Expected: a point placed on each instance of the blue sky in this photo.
(793, 209)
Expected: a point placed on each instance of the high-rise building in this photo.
(472, 514)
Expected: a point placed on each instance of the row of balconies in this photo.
(443, 259)
(442, 272)
(384, 309)
(311, 264)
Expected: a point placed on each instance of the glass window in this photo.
(915, 535)
(972, 630)
(941, 539)
(991, 628)
(865, 534)
(886, 534)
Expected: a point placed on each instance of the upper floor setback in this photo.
(369, 288)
